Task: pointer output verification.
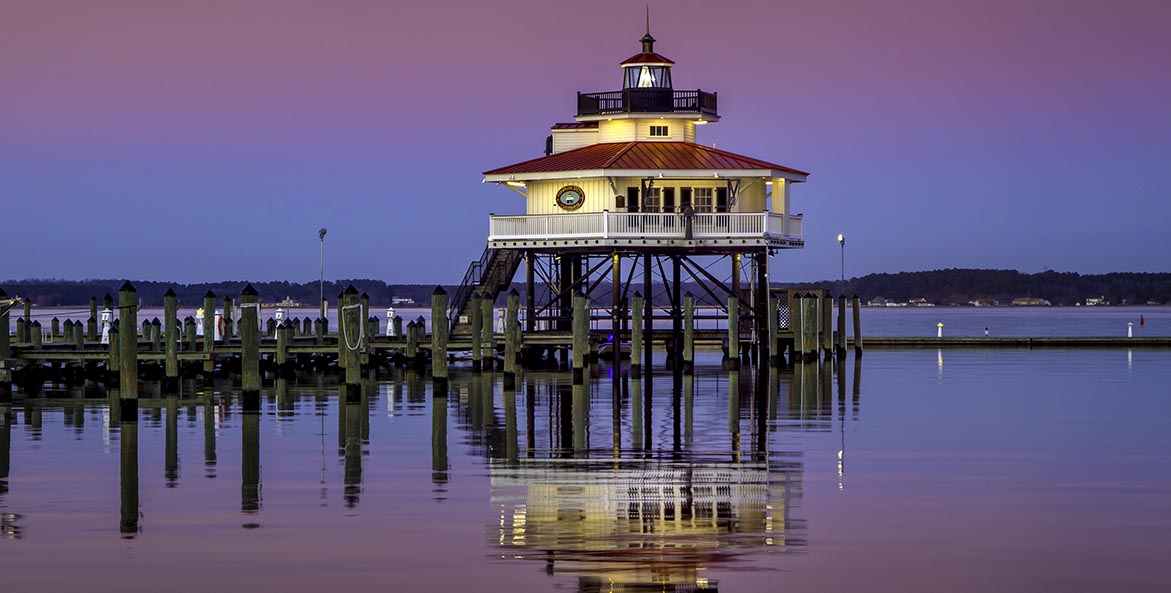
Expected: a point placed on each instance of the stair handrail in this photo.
(464, 292)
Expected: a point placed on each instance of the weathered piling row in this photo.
(351, 340)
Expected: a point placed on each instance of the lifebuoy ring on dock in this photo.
(219, 324)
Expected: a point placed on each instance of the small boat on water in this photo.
(606, 351)
(288, 303)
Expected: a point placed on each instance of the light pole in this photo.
(842, 242)
(321, 283)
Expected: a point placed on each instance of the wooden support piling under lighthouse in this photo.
(128, 349)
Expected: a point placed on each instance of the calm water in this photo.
(916, 471)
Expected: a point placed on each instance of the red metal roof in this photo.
(641, 156)
(647, 58)
(577, 125)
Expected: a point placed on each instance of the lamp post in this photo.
(321, 283)
(842, 242)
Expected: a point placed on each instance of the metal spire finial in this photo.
(648, 42)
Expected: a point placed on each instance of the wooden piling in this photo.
(21, 331)
(250, 348)
(319, 331)
(398, 326)
(856, 304)
(774, 346)
(439, 335)
(283, 334)
(477, 328)
(488, 337)
(840, 347)
(350, 340)
(156, 332)
(28, 315)
(688, 334)
(189, 337)
(128, 349)
(229, 319)
(114, 363)
(364, 353)
(307, 326)
(511, 337)
(809, 327)
(825, 305)
(92, 324)
(636, 334)
(209, 330)
(78, 337)
(5, 339)
(581, 335)
(269, 328)
(54, 329)
(412, 348)
(733, 332)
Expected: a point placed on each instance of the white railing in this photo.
(623, 225)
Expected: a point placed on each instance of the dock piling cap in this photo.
(350, 290)
(209, 295)
(170, 293)
(438, 290)
(249, 290)
(126, 287)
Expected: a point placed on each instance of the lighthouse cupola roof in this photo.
(647, 69)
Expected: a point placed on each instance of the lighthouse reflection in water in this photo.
(606, 493)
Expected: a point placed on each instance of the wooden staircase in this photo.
(489, 275)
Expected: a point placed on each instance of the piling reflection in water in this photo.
(651, 503)
(250, 463)
(656, 516)
(128, 435)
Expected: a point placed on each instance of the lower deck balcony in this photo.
(638, 230)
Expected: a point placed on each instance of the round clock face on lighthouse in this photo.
(570, 197)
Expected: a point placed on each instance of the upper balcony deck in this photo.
(708, 231)
(647, 100)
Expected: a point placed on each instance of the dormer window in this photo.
(659, 132)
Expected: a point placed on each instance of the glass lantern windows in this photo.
(643, 77)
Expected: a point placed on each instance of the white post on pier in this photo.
(198, 323)
(939, 331)
(106, 316)
(1130, 329)
(390, 321)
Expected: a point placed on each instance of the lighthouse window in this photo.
(653, 201)
(647, 77)
(658, 131)
(701, 199)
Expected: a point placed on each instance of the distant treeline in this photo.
(961, 287)
(939, 287)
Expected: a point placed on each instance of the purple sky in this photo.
(213, 139)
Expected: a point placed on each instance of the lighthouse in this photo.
(626, 199)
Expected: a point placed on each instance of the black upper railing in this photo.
(646, 101)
